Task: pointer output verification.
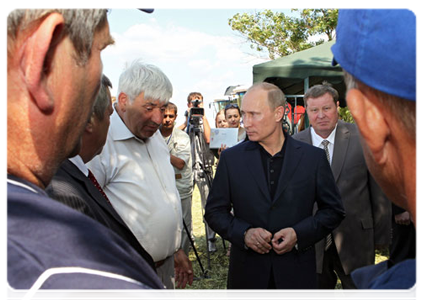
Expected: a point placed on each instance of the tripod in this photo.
(202, 170)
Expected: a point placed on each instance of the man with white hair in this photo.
(135, 172)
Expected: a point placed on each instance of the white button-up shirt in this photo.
(139, 181)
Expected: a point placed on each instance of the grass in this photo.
(217, 271)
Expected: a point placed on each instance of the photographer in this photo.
(198, 128)
(195, 99)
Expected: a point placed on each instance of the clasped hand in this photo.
(261, 241)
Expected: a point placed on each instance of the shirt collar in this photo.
(19, 182)
(118, 129)
(317, 139)
(79, 163)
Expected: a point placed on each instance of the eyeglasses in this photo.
(231, 105)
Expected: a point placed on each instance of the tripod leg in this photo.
(195, 250)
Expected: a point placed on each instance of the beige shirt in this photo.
(140, 182)
(180, 146)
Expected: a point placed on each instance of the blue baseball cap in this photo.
(147, 10)
(378, 47)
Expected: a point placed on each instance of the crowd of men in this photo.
(100, 193)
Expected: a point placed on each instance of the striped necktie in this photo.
(328, 241)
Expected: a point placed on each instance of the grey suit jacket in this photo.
(72, 188)
(367, 222)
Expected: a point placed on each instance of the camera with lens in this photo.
(196, 113)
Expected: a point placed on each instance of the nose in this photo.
(320, 114)
(157, 116)
(246, 121)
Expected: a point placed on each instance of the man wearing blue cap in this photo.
(377, 50)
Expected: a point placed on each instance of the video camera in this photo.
(195, 113)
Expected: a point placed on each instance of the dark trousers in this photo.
(332, 269)
(272, 293)
(403, 244)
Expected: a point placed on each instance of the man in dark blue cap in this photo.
(377, 50)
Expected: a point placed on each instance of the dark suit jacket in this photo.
(368, 211)
(71, 187)
(240, 183)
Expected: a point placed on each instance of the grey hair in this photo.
(320, 90)
(80, 26)
(275, 96)
(404, 111)
(103, 98)
(145, 78)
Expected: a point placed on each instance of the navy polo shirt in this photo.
(53, 251)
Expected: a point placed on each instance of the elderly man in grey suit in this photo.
(367, 222)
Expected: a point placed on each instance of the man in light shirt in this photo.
(74, 185)
(179, 146)
(367, 222)
(135, 172)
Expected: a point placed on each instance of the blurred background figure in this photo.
(233, 117)
(220, 121)
(198, 128)
(180, 157)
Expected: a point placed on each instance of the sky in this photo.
(195, 48)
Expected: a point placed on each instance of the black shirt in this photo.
(272, 166)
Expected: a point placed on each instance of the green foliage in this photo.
(345, 114)
(282, 35)
(320, 21)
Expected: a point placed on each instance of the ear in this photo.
(279, 113)
(123, 101)
(89, 127)
(38, 54)
(370, 118)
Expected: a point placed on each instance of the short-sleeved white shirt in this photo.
(140, 183)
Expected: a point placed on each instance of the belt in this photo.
(160, 263)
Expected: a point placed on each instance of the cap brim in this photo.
(147, 10)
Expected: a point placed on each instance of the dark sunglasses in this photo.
(231, 105)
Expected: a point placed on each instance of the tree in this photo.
(320, 21)
(282, 35)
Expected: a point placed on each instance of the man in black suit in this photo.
(367, 223)
(272, 182)
(75, 185)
